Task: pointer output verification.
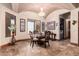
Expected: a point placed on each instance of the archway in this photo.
(55, 16)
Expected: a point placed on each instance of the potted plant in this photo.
(12, 29)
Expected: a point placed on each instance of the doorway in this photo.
(65, 26)
(61, 28)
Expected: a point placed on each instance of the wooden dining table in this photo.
(40, 39)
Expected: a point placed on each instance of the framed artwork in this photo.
(51, 25)
(38, 25)
(22, 25)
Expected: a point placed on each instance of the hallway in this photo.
(23, 48)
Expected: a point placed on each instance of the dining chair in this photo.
(47, 37)
(33, 39)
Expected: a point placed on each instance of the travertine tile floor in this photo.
(57, 48)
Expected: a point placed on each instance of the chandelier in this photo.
(41, 13)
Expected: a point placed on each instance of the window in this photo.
(31, 26)
(22, 25)
(9, 19)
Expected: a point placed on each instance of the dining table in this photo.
(40, 38)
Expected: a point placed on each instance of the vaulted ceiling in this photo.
(35, 7)
(48, 7)
(76, 4)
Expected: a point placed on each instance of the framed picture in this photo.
(22, 25)
(38, 25)
(51, 25)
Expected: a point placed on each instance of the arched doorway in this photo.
(55, 16)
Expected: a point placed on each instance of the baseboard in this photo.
(54, 39)
(22, 40)
(66, 38)
(10, 43)
(4, 45)
(74, 44)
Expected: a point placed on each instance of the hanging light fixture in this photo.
(41, 13)
(42, 18)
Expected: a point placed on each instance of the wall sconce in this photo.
(74, 22)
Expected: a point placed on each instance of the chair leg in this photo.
(45, 44)
(35, 42)
(48, 44)
(32, 44)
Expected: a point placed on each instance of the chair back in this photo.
(47, 35)
(31, 35)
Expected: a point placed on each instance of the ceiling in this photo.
(35, 7)
(76, 4)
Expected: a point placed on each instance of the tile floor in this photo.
(57, 48)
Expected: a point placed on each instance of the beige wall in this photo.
(25, 15)
(54, 16)
(74, 28)
(3, 39)
(19, 35)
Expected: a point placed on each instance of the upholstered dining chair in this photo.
(33, 39)
(47, 37)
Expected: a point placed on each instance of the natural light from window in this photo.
(30, 26)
